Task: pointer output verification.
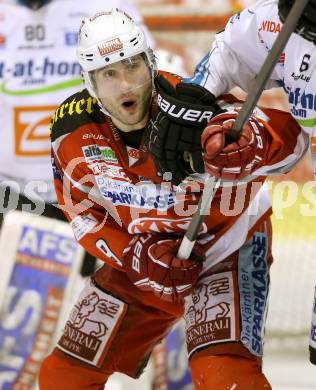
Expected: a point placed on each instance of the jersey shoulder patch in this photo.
(77, 110)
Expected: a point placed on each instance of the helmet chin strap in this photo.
(34, 4)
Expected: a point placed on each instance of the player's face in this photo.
(125, 90)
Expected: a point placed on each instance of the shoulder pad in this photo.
(79, 109)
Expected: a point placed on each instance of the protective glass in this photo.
(122, 78)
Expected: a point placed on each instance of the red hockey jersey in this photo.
(110, 192)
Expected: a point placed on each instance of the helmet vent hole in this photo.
(135, 40)
(89, 57)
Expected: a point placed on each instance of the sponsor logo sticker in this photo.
(145, 196)
(253, 281)
(91, 153)
(133, 155)
(92, 325)
(108, 154)
(32, 308)
(110, 47)
(82, 225)
(31, 126)
(93, 136)
(111, 171)
(94, 152)
(210, 312)
(270, 26)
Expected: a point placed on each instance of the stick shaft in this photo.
(198, 217)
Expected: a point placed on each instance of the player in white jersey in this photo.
(230, 63)
(38, 69)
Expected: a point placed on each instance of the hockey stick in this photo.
(211, 183)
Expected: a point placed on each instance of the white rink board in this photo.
(293, 279)
(290, 371)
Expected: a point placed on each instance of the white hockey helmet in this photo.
(107, 38)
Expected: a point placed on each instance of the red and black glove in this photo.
(151, 264)
(175, 129)
(236, 159)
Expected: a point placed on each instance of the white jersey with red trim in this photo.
(239, 51)
(38, 70)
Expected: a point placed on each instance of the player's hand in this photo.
(228, 159)
(176, 128)
(151, 264)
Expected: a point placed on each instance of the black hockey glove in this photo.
(173, 135)
(306, 26)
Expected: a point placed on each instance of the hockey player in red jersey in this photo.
(123, 212)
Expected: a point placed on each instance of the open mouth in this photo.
(129, 105)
